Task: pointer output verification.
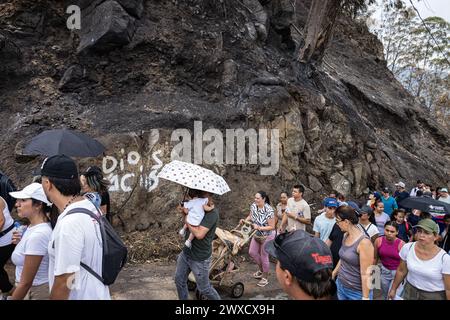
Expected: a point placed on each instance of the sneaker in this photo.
(182, 232)
(188, 243)
(257, 275)
(263, 282)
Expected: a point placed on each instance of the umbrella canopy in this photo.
(426, 204)
(64, 141)
(194, 177)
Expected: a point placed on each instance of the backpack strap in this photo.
(85, 211)
(365, 231)
(4, 232)
(97, 218)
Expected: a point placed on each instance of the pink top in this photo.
(389, 253)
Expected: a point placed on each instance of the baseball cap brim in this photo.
(428, 225)
(426, 228)
(24, 195)
(19, 195)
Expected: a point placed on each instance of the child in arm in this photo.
(195, 210)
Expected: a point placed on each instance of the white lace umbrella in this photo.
(194, 177)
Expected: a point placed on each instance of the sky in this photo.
(427, 8)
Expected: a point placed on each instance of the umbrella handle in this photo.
(186, 190)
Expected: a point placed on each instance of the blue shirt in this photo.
(323, 225)
(389, 205)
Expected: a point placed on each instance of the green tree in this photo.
(417, 54)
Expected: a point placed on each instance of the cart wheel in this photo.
(237, 290)
(191, 285)
(200, 296)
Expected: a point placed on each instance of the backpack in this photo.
(114, 250)
(7, 186)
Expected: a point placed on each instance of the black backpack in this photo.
(114, 250)
(7, 186)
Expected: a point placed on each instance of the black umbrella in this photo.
(64, 141)
(426, 204)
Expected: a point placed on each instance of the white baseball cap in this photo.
(32, 191)
(400, 184)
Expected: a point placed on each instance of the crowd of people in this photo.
(58, 255)
(345, 252)
(376, 244)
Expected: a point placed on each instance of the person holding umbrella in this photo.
(195, 210)
(197, 258)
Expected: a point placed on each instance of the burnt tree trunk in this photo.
(319, 28)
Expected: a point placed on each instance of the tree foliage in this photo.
(417, 53)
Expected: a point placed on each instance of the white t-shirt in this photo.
(425, 275)
(324, 225)
(371, 229)
(302, 209)
(33, 243)
(195, 210)
(6, 239)
(77, 238)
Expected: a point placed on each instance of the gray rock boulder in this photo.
(107, 27)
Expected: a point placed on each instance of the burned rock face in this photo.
(136, 72)
(106, 26)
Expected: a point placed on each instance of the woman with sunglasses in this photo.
(356, 257)
(262, 217)
(425, 266)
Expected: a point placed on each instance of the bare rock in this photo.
(314, 184)
(107, 27)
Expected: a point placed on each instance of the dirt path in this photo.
(154, 281)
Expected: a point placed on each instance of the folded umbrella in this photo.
(194, 177)
(64, 141)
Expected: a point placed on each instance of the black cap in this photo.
(59, 166)
(93, 171)
(386, 190)
(301, 254)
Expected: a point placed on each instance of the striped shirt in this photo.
(261, 216)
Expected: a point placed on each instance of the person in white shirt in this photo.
(299, 214)
(76, 237)
(367, 223)
(425, 266)
(419, 186)
(6, 247)
(30, 255)
(444, 196)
